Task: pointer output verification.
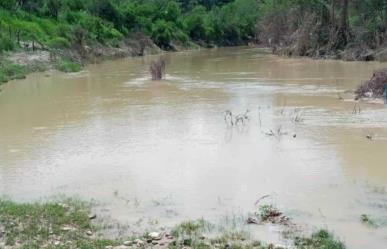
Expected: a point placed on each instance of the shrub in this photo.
(6, 44)
(10, 71)
(58, 42)
(321, 239)
(157, 68)
(68, 66)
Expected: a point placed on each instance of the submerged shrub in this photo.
(157, 68)
(68, 66)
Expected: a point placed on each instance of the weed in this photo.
(10, 71)
(68, 66)
(321, 239)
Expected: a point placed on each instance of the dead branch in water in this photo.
(239, 119)
(261, 198)
(157, 68)
(228, 118)
(298, 116)
(356, 109)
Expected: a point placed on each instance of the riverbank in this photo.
(17, 64)
(69, 224)
(347, 54)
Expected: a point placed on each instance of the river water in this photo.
(159, 152)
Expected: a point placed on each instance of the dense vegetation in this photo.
(68, 23)
(349, 29)
(325, 27)
(308, 25)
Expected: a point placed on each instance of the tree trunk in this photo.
(343, 32)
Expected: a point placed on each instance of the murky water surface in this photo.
(160, 152)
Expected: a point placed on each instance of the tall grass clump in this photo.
(322, 239)
(68, 66)
(48, 225)
(10, 71)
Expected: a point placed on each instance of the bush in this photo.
(58, 42)
(10, 71)
(6, 44)
(321, 239)
(162, 33)
(68, 66)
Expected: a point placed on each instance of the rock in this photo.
(202, 237)
(161, 243)
(108, 247)
(155, 236)
(128, 243)
(89, 233)
(168, 236)
(57, 243)
(67, 228)
(139, 242)
(155, 242)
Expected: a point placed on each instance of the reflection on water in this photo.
(161, 150)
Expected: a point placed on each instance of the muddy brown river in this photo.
(154, 153)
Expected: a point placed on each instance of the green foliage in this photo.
(162, 33)
(50, 23)
(321, 239)
(10, 71)
(6, 44)
(310, 25)
(36, 225)
(68, 66)
(59, 42)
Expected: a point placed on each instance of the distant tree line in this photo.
(308, 26)
(62, 23)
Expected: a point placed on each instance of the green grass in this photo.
(34, 225)
(68, 66)
(190, 234)
(321, 239)
(66, 225)
(10, 71)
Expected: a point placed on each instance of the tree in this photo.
(343, 31)
(54, 7)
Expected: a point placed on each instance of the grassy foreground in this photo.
(69, 225)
